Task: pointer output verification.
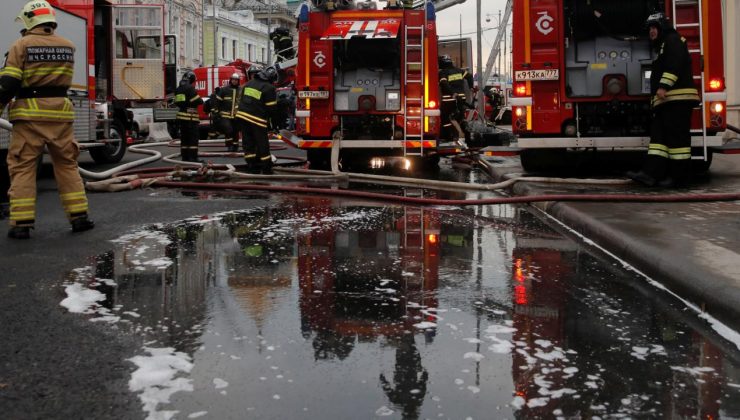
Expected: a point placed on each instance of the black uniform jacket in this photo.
(671, 71)
(257, 104)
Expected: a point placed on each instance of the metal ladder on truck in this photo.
(413, 77)
(695, 53)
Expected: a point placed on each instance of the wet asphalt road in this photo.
(304, 307)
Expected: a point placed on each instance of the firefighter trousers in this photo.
(189, 140)
(26, 145)
(228, 127)
(669, 153)
(256, 147)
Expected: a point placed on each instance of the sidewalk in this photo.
(691, 248)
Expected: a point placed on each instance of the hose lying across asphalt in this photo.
(171, 177)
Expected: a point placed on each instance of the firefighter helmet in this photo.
(37, 12)
(189, 76)
(445, 61)
(236, 76)
(659, 20)
(253, 70)
(268, 74)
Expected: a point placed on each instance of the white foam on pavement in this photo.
(157, 377)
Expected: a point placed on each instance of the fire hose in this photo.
(164, 180)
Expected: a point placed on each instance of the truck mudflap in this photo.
(605, 142)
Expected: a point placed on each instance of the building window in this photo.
(188, 40)
(264, 56)
(196, 44)
(234, 52)
(223, 47)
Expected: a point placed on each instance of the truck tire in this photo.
(112, 152)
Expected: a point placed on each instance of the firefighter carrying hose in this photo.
(226, 104)
(256, 110)
(38, 72)
(187, 101)
(282, 44)
(452, 88)
(674, 97)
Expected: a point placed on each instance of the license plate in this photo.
(549, 74)
(313, 94)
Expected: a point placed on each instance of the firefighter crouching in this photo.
(38, 72)
(226, 103)
(673, 98)
(187, 101)
(452, 88)
(256, 110)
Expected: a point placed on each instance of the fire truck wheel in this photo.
(114, 150)
(701, 165)
(543, 160)
(319, 159)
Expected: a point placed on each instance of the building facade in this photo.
(237, 35)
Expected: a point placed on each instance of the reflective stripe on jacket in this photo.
(38, 63)
(187, 101)
(671, 70)
(257, 103)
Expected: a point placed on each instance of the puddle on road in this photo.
(308, 309)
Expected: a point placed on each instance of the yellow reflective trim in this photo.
(57, 115)
(659, 147)
(272, 103)
(679, 150)
(667, 82)
(21, 218)
(76, 208)
(669, 76)
(22, 200)
(266, 157)
(254, 93)
(658, 153)
(250, 156)
(72, 194)
(180, 97)
(251, 116)
(194, 98)
(684, 156)
(455, 77)
(13, 72)
(20, 213)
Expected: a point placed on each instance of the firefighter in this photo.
(42, 115)
(452, 88)
(673, 98)
(187, 100)
(226, 104)
(4, 184)
(256, 110)
(282, 44)
(210, 108)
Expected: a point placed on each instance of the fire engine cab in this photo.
(367, 78)
(582, 75)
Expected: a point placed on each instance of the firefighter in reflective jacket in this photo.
(283, 44)
(452, 88)
(256, 108)
(38, 72)
(226, 103)
(674, 97)
(187, 101)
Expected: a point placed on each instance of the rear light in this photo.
(716, 107)
(432, 238)
(716, 84)
(432, 104)
(520, 89)
(520, 111)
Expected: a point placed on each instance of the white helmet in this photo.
(36, 12)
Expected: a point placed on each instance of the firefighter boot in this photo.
(19, 232)
(252, 165)
(82, 223)
(642, 177)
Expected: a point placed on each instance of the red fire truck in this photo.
(367, 78)
(119, 64)
(582, 73)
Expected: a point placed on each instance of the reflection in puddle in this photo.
(311, 309)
